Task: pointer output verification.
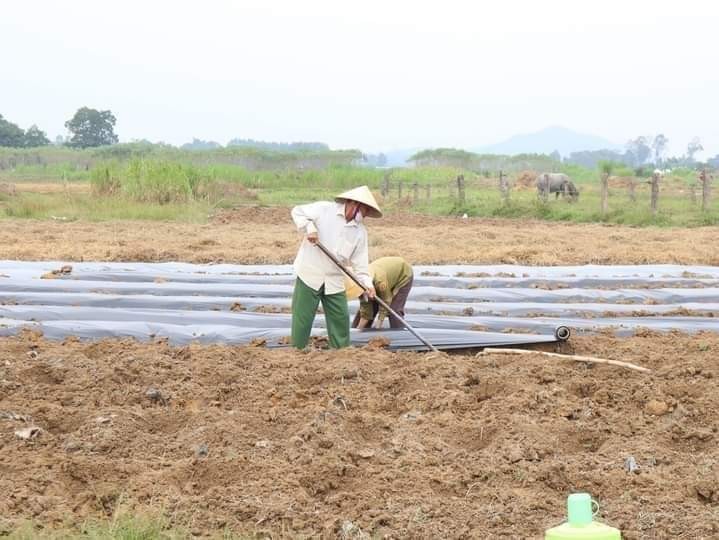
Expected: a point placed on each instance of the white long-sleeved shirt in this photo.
(347, 240)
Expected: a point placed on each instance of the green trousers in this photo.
(304, 307)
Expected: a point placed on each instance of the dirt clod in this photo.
(201, 450)
(656, 407)
(155, 396)
(320, 342)
(27, 433)
(379, 342)
(58, 272)
(365, 453)
(631, 465)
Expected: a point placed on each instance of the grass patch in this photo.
(675, 207)
(122, 527)
(165, 189)
(91, 208)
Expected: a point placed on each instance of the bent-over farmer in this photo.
(392, 279)
(338, 225)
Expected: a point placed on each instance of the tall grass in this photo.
(160, 182)
(335, 177)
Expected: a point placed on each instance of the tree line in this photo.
(15, 137)
(88, 128)
(640, 153)
(199, 144)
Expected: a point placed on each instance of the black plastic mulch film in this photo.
(452, 306)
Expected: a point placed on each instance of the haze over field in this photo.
(370, 75)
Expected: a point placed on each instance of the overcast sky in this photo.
(373, 74)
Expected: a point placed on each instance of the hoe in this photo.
(381, 302)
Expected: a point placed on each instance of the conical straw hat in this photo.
(352, 290)
(364, 195)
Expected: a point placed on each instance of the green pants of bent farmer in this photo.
(304, 307)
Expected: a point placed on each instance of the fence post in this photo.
(631, 187)
(452, 189)
(415, 194)
(655, 193)
(399, 189)
(605, 192)
(385, 185)
(429, 192)
(706, 184)
(503, 186)
(460, 188)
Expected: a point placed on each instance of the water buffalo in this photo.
(556, 183)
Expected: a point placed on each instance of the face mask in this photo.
(358, 216)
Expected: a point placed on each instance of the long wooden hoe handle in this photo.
(384, 304)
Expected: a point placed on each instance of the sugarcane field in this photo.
(451, 273)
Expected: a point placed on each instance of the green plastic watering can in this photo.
(580, 522)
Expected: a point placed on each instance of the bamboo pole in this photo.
(573, 357)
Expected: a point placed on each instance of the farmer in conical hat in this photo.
(392, 279)
(338, 225)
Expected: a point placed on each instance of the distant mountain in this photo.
(546, 141)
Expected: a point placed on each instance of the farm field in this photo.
(360, 443)
(540, 355)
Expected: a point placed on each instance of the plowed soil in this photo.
(368, 442)
(360, 443)
(256, 235)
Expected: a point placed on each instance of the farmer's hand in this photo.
(371, 293)
(312, 238)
